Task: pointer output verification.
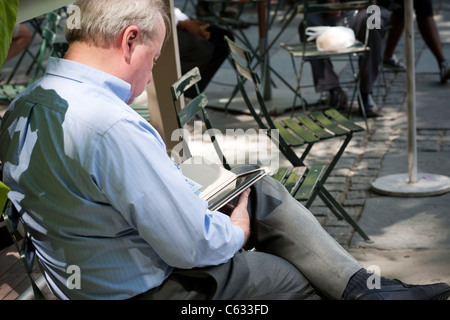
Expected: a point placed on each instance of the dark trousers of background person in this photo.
(324, 76)
(207, 55)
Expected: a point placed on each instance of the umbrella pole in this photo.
(410, 91)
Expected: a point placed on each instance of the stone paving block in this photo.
(428, 145)
(355, 202)
(359, 186)
(332, 179)
(365, 172)
(352, 195)
(369, 164)
(320, 210)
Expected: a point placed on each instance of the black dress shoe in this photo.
(368, 105)
(445, 71)
(338, 99)
(402, 291)
(370, 113)
(394, 64)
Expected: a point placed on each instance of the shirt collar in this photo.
(82, 73)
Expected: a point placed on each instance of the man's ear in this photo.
(130, 39)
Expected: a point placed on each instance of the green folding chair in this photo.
(25, 250)
(305, 131)
(49, 34)
(306, 51)
(300, 181)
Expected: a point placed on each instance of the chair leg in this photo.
(331, 203)
(363, 110)
(336, 158)
(357, 91)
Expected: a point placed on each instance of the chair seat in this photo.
(310, 51)
(318, 125)
(10, 91)
(306, 129)
(299, 181)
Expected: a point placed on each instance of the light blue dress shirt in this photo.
(95, 185)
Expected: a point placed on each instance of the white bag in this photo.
(331, 38)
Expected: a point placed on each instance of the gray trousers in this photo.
(295, 257)
(324, 76)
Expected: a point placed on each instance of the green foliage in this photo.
(8, 15)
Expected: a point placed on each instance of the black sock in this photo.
(358, 282)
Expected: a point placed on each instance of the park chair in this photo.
(302, 182)
(49, 34)
(299, 181)
(192, 109)
(307, 51)
(305, 130)
(23, 245)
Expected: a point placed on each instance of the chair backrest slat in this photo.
(186, 81)
(194, 107)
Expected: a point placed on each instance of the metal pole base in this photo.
(398, 185)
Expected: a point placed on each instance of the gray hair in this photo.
(101, 21)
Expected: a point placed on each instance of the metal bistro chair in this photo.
(268, 12)
(25, 250)
(49, 33)
(302, 131)
(193, 108)
(300, 181)
(307, 51)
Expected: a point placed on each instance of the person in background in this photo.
(200, 45)
(428, 30)
(21, 38)
(324, 75)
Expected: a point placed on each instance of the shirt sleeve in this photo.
(179, 16)
(148, 189)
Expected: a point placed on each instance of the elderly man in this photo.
(93, 183)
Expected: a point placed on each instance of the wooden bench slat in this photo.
(313, 126)
(287, 136)
(309, 183)
(337, 116)
(280, 174)
(12, 91)
(299, 130)
(330, 125)
(295, 179)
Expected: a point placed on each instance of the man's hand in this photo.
(239, 214)
(195, 27)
